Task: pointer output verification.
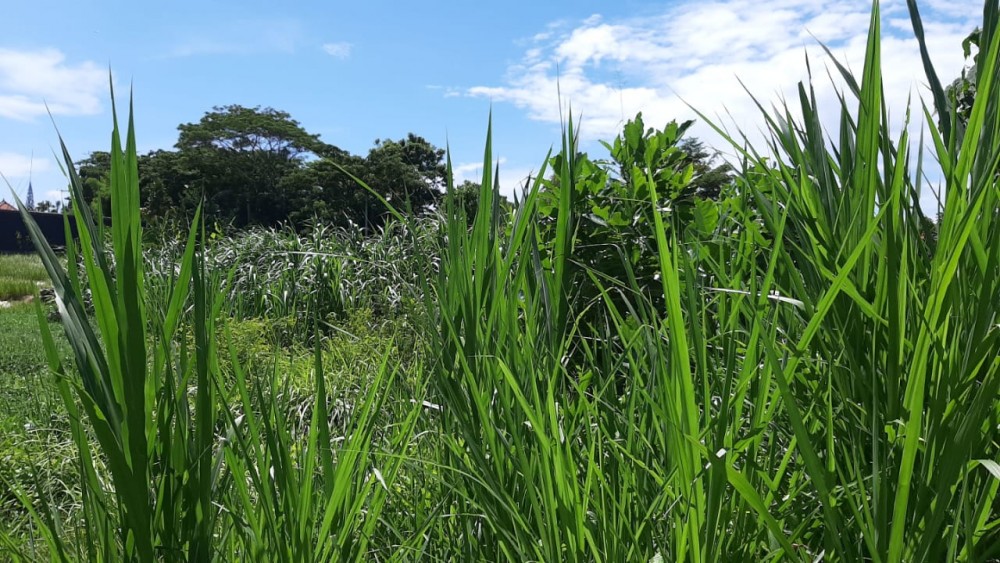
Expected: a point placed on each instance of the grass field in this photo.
(804, 369)
(22, 355)
(20, 276)
(32, 420)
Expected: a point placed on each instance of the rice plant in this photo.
(890, 380)
(829, 395)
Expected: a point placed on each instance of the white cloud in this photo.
(340, 50)
(700, 52)
(512, 178)
(17, 166)
(31, 79)
(472, 171)
(960, 9)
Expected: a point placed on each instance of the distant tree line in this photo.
(258, 166)
(254, 166)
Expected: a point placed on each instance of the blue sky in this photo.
(356, 71)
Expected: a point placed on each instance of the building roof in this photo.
(4, 206)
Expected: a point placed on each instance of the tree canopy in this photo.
(241, 155)
(258, 166)
(257, 131)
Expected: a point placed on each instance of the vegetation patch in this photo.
(645, 357)
(21, 275)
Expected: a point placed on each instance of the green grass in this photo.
(25, 389)
(22, 266)
(20, 341)
(25, 385)
(814, 378)
(20, 276)
(32, 420)
(16, 289)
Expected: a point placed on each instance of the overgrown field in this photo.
(20, 275)
(614, 368)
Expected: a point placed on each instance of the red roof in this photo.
(4, 206)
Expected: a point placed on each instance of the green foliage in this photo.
(35, 449)
(546, 457)
(254, 166)
(11, 289)
(323, 192)
(893, 456)
(165, 180)
(157, 480)
(709, 180)
(254, 132)
(795, 371)
(822, 386)
(290, 277)
(95, 180)
(20, 276)
(240, 155)
(611, 216)
(962, 91)
(25, 267)
(408, 172)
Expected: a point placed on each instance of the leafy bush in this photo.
(610, 213)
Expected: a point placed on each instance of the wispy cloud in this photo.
(340, 50)
(472, 171)
(31, 79)
(512, 178)
(469, 171)
(700, 52)
(241, 37)
(710, 54)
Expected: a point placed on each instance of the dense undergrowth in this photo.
(613, 369)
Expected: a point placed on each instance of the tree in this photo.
(241, 156)
(467, 198)
(321, 191)
(165, 178)
(94, 172)
(708, 178)
(46, 206)
(408, 173)
(962, 91)
(253, 166)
